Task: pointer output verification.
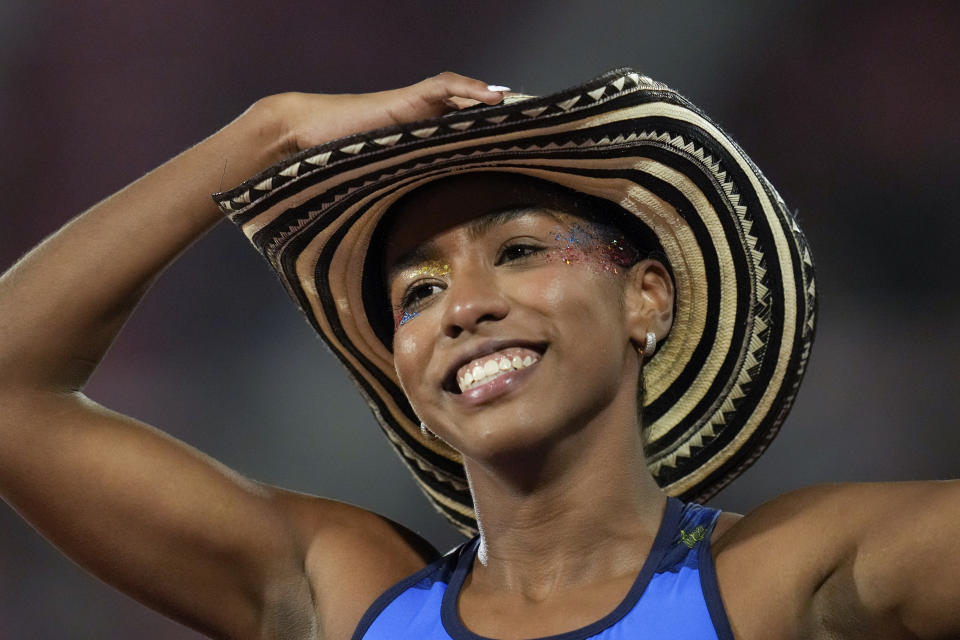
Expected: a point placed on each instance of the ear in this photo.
(648, 301)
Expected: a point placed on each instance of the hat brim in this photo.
(719, 388)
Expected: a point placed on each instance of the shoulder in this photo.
(773, 559)
(351, 556)
(834, 513)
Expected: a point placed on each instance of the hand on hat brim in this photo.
(305, 120)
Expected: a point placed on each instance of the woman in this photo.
(577, 536)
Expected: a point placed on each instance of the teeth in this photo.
(483, 372)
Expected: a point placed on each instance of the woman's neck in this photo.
(577, 511)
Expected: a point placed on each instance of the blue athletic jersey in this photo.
(675, 595)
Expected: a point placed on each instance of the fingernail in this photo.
(497, 87)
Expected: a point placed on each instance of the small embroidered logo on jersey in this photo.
(692, 538)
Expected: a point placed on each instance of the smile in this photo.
(492, 366)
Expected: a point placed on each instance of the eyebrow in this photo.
(478, 227)
(475, 229)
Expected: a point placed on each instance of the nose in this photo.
(472, 298)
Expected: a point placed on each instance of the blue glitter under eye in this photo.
(407, 317)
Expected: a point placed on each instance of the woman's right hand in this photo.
(303, 120)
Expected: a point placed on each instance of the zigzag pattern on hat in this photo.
(702, 433)
(298, 167)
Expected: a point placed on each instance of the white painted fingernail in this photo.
(497, 87)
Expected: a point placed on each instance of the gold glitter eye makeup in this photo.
(411, 300)
(431, 269)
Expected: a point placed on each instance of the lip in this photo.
(483, 349)
(499, 386)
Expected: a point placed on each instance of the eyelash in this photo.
(411, 303)
(530, 250)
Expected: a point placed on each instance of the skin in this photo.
(133, 505)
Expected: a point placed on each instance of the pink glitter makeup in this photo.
(581, 245)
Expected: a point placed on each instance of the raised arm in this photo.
(900, 574)
(872, 560)
(146, 513)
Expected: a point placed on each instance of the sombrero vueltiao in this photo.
(717, 390)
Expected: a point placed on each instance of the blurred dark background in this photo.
(850, 109)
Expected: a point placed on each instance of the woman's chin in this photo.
(507, 435)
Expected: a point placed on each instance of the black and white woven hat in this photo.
(717, 390)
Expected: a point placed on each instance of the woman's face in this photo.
(512, 328)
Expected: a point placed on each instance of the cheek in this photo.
(579, 279)
(554, 293)
(405, 345)
(405, 357)
(575, 296)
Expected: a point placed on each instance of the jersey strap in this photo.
(675, 594)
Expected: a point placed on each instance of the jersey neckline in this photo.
(661, 543)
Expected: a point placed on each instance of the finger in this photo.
(446, 85)
(458, 103)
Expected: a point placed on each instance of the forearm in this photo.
(63, 303)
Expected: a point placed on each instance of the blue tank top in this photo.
(675, 594)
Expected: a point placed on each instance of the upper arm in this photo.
(146, 513)
(178, 531)
(905, 567)
(847, 560)
(870, 560)
(353, 556)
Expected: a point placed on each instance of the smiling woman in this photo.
(512, 286)
(508, 367)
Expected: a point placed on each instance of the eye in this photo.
(418, 294)
(517, 251)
